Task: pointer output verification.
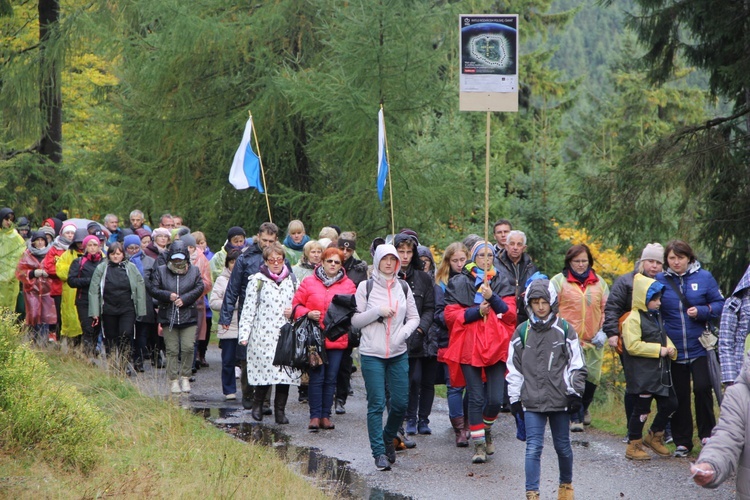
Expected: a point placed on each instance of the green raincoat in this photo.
(12, 247)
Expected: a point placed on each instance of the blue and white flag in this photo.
(382, 156)
(245, 171)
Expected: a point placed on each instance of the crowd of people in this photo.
(502, 336)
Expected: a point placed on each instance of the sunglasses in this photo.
(331, 261)
(277, 260)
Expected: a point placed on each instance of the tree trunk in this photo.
(50, 98)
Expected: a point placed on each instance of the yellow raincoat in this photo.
(12, 247)
(71, 326)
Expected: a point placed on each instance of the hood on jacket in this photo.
(178, 246)
(644, 288)
(540, 288)
(381, 252)
(692, 268)
(4, 212)
(745, 371)
(743, 284)
(80, 235)
(415, 264)
(423, 251)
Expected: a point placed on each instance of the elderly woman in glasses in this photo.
(582, 295)
(313, 298)
(268, 300)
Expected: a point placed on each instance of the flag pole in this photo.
(487, 192)
(390, 184)
(262, 171)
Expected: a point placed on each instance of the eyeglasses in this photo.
(277, 260)
(331, 261)
(580, 262)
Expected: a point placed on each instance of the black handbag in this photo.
(291, 348)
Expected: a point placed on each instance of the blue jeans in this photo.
(228, 362)
(376, 372)
(559, 421)
(455, 397)
(323, 385)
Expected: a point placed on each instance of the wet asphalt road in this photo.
(437, 469)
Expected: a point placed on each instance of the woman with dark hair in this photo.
(313, 298)
(691, 300)
(582, 295)
(268, 301)
(117, 294)
(480, 311)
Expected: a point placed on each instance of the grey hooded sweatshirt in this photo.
(384, 337)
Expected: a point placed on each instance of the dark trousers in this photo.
(58, 303)
(484, 406)
(140, 341)
(119, 331)
(588, 397)
(682, 420)
(228, 362)
(422, 373)
(665, 406)
(343, 379)
(203, 344)
(90, 332)
(323, 385)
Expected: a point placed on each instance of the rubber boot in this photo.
(635, 450)
(655, 441)
(458, 429)
(258, 397)
(467, 431)
(480, 452)
(488, 440)
(565, 492)
(279, 404)
(247, 389)
(267, 402)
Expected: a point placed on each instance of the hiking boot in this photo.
(176, 387)
(381, 463)
(340, 408)
(655, 441)
(423, 428)
(411, 426)
(408, 443)
(480, 453)
(565, 492)
(576, 427)
(184, 384)
(390, 450)
(488, 440)
(458, 429)
(681, 452)
(635, 450)
(586, 418)
(532, 495)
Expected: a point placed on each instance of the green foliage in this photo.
(38, 411)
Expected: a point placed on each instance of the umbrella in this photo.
(714, 372)
(84, 223)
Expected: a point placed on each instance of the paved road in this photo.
(437, 469)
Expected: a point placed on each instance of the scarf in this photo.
(277, 278)
(306, 264)
(478, 274)
(61, 243)
(181, 268)
(289, 243)
(39, 253)
(328, 281)
(87, 257)
(584, 279)
(136, 259)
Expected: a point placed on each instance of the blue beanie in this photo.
(131, 239)
(654, 289)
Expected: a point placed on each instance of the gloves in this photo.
(575, 403)
(599, 339)
(39, 273)
(517, 410)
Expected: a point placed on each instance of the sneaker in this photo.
(576, 427)
(176, 387)
(681, 452)
(230, 397)
(390, 450)
(411, 426)
(185, 384)
(626, 440)
(587, 418)
(409, 443)
(668, 435)
(340, 408)
(381, 463)
(237, 372)
(423, 427)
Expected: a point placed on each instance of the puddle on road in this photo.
(330, 474)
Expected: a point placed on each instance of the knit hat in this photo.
(92, 226)
(235, 231)
(23, 223)
(35, 235)
(47, 230)
(160, 231)
(131, 239)
(189, 240)
(68, 226)
(653, 251)
(142, 233)
(89, 238)
(350, 244)
(477, 246)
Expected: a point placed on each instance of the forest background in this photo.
(632, 128)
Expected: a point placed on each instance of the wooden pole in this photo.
(262, 171)
(390, 184)
(487, 192)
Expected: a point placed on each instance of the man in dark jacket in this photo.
(620, 301)
(422, 366)
(246, 265)
(356, 270)
(518, 267)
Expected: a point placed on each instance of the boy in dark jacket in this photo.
(648, 376)
(546, 379)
